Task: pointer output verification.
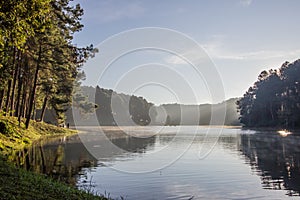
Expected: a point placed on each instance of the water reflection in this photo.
(60, 158)
(276, 160)
(134, 144)
(64, 158)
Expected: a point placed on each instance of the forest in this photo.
(273, 100)
(40, 66)
(112, 108)
(122, 109)
(41, 69)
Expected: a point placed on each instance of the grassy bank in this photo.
(18, 183)
(14, 136)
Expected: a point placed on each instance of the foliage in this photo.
(39, 63)
(15, 136)
(6, 128)
(130, 110)
(125, 109)
(274, 98)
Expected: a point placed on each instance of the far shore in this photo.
(270, 129)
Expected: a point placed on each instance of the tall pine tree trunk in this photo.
(44, 108)
(20, 82)
(34, 110)
(31, 101)
(1, 98)
(25, 78)
(22, 106)
(7, 97)
(12, 99)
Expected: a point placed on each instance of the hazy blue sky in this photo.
(242, 37)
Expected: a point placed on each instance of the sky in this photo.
(239, 39)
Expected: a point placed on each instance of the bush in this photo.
(6, 128)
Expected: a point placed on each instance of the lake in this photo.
(187, 162)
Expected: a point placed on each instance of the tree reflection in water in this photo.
(65, 158)
(275, 158)
(60, 158)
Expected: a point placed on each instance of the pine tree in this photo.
(39, 63)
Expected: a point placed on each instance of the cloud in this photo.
(216, 49)
(193, 56)
(256, 55)
(176, 60)
(111, 10)
(245, 3)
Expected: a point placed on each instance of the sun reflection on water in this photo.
(284, 132)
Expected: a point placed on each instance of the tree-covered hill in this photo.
(180, 114)
(274, 99)
(112, 109)
(121, 109)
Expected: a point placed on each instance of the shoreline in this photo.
(15, 137)
(17, 183)
(269, 129)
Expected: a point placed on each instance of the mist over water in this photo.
(170, 164)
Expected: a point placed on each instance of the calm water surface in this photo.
(173, 162)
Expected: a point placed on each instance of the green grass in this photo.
(18, 183)
(14, 137)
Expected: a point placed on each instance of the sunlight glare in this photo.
(284, 132)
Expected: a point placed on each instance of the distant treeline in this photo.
(121, 109)
(180, 114)
(39, 64)
(274, 99)
(112, 109)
